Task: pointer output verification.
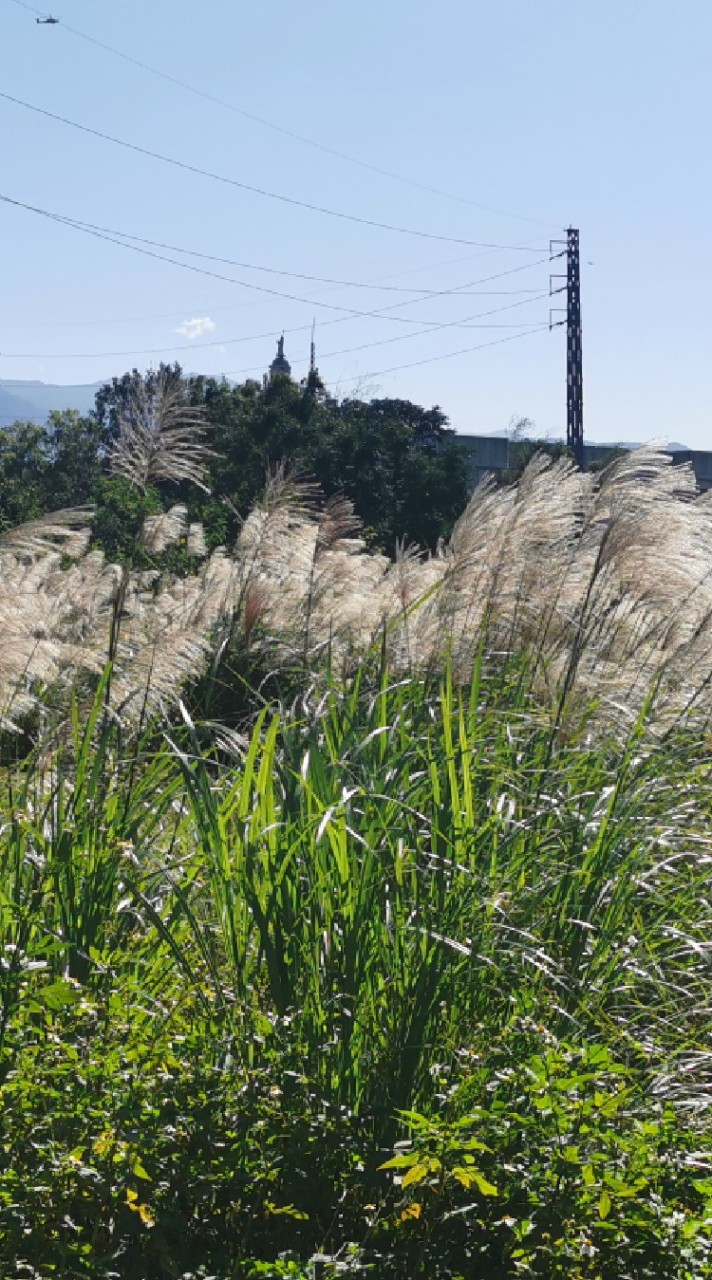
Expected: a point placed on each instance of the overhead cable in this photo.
(249, 266)
(351, 313)
(261, 191)
(448, 355)
(288, 133)
(469, 322)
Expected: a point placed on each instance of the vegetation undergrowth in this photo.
(411, 984)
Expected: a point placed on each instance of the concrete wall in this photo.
(492, 453)
(485, 454)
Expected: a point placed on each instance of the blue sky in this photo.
(593, 113)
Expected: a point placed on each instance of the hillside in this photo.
(35, 400)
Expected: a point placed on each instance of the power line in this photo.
(111, 237)
(366, 346)
(469, 322)
(351, 312)
(449, 355)
(261, 191)
(462, 291)
(92, 321)
(79, 223)
(288, 133)
(379, 313)
(232, 262)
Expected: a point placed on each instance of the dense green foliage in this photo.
(45, 470)
(413, 984)
(397, 462)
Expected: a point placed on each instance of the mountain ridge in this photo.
(34, 400)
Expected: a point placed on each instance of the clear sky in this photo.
(594, 113)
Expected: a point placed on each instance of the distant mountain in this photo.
(35, 400)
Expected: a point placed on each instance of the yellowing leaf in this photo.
(415, 1174)
(604, 1205)
(413, 1211)
(146, 1216)
(464, 1176)
(104, 1142)
(142, 1210)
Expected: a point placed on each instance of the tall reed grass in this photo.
(383, 872)
(605, 581)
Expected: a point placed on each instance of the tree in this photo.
(73, 449)
(47, 468)
(23, 473)
(120, 510)
(398, 463)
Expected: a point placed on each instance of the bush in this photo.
(548, 1159)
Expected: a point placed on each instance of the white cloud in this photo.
(195, 328)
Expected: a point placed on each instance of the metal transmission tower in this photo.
(574, 351)
(574, 355)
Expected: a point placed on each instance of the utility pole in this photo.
(574, 353)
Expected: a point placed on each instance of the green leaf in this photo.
(138, 1170)
(57, 995)
(604, 1205)
(483, 1186)
(287, 1211)
(399, 1162)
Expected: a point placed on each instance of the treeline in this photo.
(400, 464)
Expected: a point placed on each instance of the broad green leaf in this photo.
(484, 1187)
(399, 1162)
(58, 995)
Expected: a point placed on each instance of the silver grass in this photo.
(162, 531)
(67, 529)
(195, 541)
(161, 437)
(606, 581)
